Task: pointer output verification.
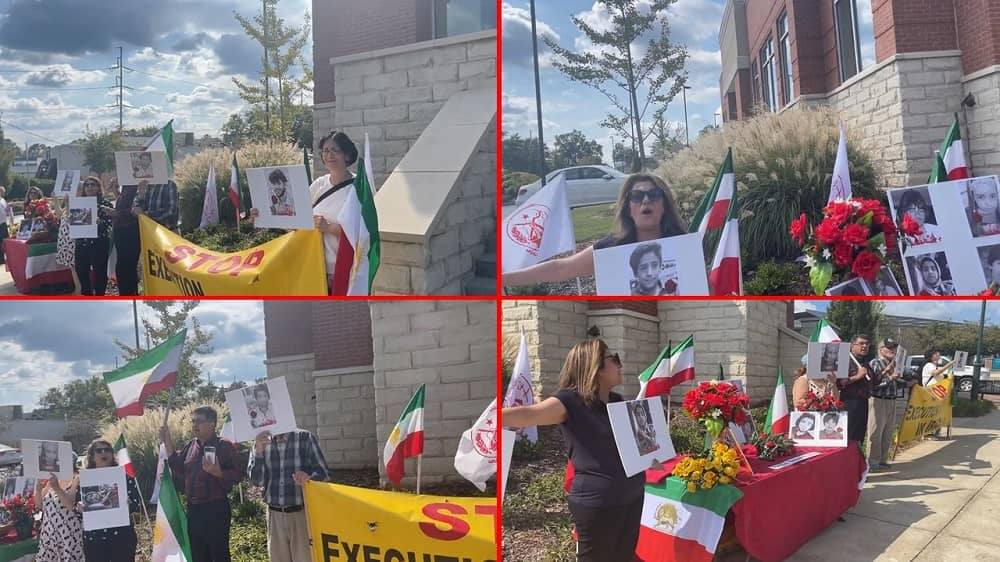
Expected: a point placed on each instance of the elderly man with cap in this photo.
(886, 385)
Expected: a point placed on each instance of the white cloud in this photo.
(517, 49)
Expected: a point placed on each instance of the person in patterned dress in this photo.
(60, 538)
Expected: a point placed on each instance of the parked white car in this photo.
(9, 456)
(585, 185)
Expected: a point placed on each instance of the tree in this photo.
(617, 68)
(667, 139)
(37, 150)
(575, 149)
(302, 126)
(99, 150)
(147, 131)
(81, 399)
(624, 157)
(520, 154)
(172, 316)
(7, 156)
(853, 318)
(284, 48)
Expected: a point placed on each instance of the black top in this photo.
(857, 389)
(134, 506)
(610, 241)
(600, 478)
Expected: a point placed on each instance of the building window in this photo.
(855, 36)
(755, 83)
(785, 53)
(767, 75)
(456, 17)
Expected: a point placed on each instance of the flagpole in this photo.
(135, 322)
(579, 287)
(670, 371)
(420, 457)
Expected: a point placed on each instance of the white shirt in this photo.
(927, 374)
(5, 211)
(329, 209)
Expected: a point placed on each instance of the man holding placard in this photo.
(882, 410)
(281, 465)
(855, 390)
(158, 202)
(207, 466)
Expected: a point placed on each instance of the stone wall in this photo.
(345, 410)
(982, 132)
(719, 328)
(634, 336)
(298, 373)
(451, 347)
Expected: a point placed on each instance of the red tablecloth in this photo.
(16, 256)
(783, 509)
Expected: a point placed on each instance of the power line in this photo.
(180, 80)
(54, 89)
(55, 68)
(31, 132)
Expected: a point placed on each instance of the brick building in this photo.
(896, 70)
(351, 366)
(419, 77)
(750, 339)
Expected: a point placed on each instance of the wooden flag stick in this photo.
(420, 457)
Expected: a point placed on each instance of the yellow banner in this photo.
(361, 525)
(929, 409)
(290, 265)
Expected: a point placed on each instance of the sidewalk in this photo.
(940, 502)
(7, 282)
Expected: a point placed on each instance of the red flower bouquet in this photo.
(853, 239)
(825, 404)
(716, 404)
(20, 513)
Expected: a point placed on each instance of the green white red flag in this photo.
(234, 186)
(152, 372)
(778, 418)
(726, 276)
(122, 456)
(163, 141)
(952, 159)
(406, 439)
(713, 209)
(359, 249)
(170, 531)
(823, 332)
(671, 368)
(681, 526)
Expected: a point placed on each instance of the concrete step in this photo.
(486, 266)
(481, 286)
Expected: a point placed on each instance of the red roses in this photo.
(717, 401)
(827, 403)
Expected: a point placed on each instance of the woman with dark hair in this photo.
(645, 211)
(605, 505)
(830, 429)
(804, 427)
(91, 254)
(328, 193)
(930, 373)
(931, 281)
(912, 203)
(116, 544)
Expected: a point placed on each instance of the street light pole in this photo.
(978, 366)
(687, 133)
(538, 95)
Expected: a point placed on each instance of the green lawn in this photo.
(593, 222)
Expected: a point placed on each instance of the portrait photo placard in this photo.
(902, 358)
(18, 486)
(961, 360)
(259, 408)
(133, 167)
(66, 183)
(104, 495)
(281, 196)
(849, 288)
(24, 229)
(640, 430)
(669, 266)
(960, 232)
(42, 458)
(819, 429)
(82, 217)
(828, 357)
(884, 285)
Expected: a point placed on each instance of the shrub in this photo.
(191, 174)
(19, 184)
(774, 278)
(965, 408)
(224, 238)
(142, 434)
(783, 165)
(512, 181)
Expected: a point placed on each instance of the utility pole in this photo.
(120, 84)
(687, 133)
(267, 71)
(538, 95)
(978, 365)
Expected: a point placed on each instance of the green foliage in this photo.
(248, 540)
(774, 278)
(948, 338)
(667, 140)
(224, 238)
(592, 222)
(248, 509)
(633, 84)
(521, 155)
(99, 150)
(512, 181)
(19, 184)
(855, 317)
(965, 408)
(783, 164)
(575, 149)
(7, 156)
(525, 450)
(80, 399)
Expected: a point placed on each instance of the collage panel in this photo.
(250, 430)
(659, 428)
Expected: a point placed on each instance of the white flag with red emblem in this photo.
(840, 183)
(540, 228)
(476, 458)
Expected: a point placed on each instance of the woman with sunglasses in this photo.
(606, 506)
(116, 544)
(645, 211)
(91, 254)
(328, 193)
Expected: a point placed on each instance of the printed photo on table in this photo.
(819, 429)
(929, 275)
(803, 426)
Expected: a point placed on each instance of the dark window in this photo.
(755, 83)
(845, 16)
(456, 17)
(574, 174)
(593, 173)
(767, 75)
(785, 52)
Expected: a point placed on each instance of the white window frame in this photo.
(769, 89)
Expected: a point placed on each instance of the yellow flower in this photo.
(691, 487)
(725, 480)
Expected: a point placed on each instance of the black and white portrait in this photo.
(99, 497)
(642, 426)
(258, 400)
(930, 275)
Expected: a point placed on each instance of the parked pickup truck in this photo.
(963, 378)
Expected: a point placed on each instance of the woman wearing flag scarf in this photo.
(646, 211)
(328, 195)
(606, 506)
(117, 544)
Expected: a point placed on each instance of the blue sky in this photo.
(567, 105)
(957, 311)
(54, 56)
(47, 343)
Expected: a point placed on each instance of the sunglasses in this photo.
(638, 195)
(614, 358)
(101, 450)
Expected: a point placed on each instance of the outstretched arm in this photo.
(561, 269)
(547, 412)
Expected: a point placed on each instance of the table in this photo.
(34, 265)
(23, 551)
(783, 509)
